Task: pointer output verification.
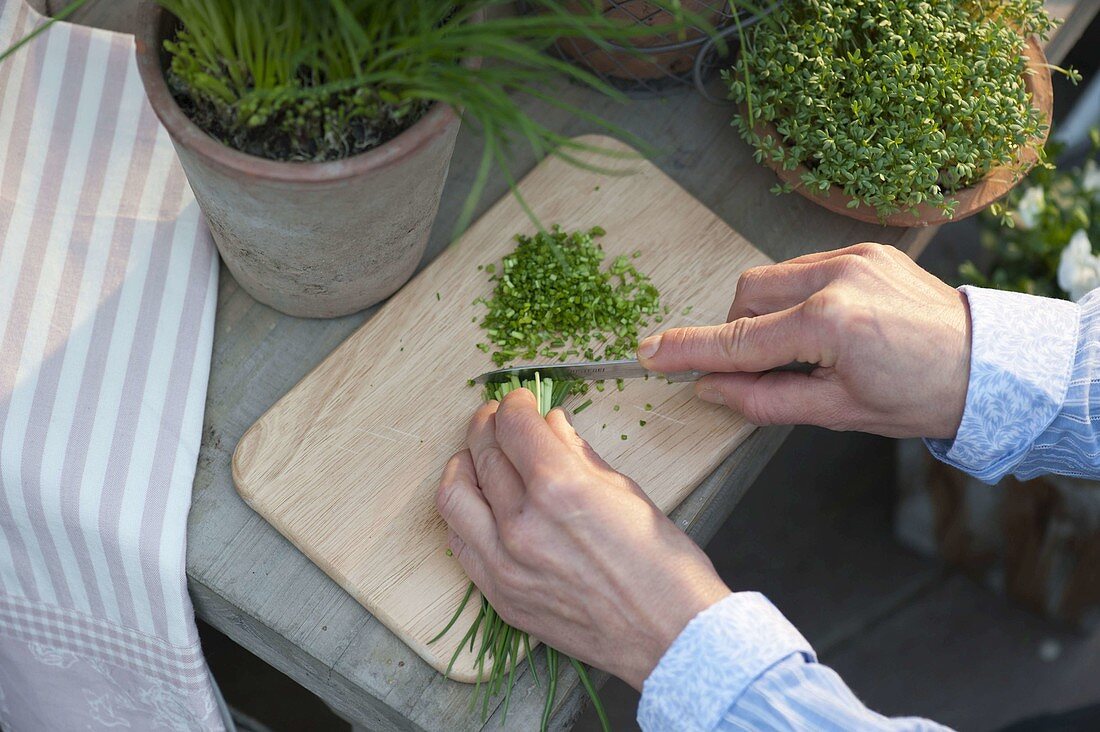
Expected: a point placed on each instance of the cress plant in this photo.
(897, 102)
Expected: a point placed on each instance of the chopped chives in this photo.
(587, 403)
(554, 293)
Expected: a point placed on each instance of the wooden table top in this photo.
(251, 584)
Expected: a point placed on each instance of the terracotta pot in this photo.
(308, 239)
(662, 55)
(977, 197)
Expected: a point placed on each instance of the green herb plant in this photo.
(554, 299)
(319, 80)
(896, 102)
(498, 644)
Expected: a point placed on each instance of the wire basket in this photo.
(664, 61)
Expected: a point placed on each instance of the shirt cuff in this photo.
(1022, 350)
(716, 657)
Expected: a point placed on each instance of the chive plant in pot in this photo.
(885, 113)
(317, 136)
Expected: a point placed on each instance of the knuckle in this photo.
(750, 278)
(890, 251)
(445, 498)
(674, 340)
(554, 494)
(853, 264)
(838, 312)
(870, 249)
(514, 534)
(486, 411)
(827, 306)
(755, 409)
(733, 338)
(484, 414)
(459, 548)
(490, 461)
(509, 416)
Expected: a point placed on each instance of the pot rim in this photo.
(432, 125)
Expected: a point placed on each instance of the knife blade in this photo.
(627, 368)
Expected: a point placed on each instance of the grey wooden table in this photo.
(251, 584)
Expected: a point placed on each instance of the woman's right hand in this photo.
(890, 341)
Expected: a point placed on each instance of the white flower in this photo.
(1090, 180)
(1078, 268)
(1031, 206)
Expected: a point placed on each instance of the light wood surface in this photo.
(346, 465)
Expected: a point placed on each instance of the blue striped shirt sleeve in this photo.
(1034, 380)
(740, 665)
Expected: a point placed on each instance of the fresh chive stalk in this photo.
(498, 643)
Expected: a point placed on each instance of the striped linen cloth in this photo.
(108, 284)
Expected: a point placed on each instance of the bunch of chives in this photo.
(499, 643)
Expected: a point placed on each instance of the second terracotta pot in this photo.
(309, 239)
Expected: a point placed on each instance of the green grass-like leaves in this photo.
(897, 102)
(316, 80)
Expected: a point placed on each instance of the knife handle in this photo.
(797, 367)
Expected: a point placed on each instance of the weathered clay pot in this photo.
(661, 55)
(309, 239)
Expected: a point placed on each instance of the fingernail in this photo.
(712, 395)
(648, 347)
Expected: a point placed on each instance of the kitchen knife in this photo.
(627, 368)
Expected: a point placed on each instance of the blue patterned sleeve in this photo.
(1034, 378)
(740, 665)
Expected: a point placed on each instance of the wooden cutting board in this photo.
(346, 465)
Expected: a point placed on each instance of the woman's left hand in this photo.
(565, 547)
